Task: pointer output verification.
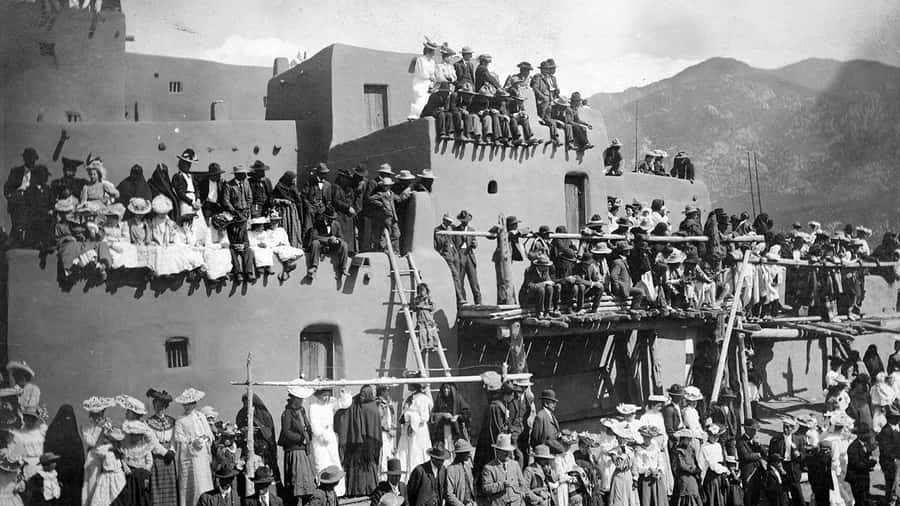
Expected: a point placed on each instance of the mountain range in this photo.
(826, 135)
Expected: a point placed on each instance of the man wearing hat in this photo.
(483, 74)
(690, 225)
(620, 276)
(578, 126)
(750, 456)
(424, 181)
(426, 482)
(392, 485)
(465, 68)
(682, 167)
(263, 492)
(17, 183)
(43, 488)
(260, 189)
(68, 184)
(791, 447)
(588, 282)
(446, 246)
(211, 191)
(539, 291)
(545, 89)
(238, 195)
(646, 165)
(460, 485)
(671, 413)
(318, 195)
(860, 463)
(724, 415)
(889, 449)
(326, 239)
(383, 213)
(502, 481)
(225, 493)
(540, 474)
(468, 268)
(184, 184)
(325, 495)
(612, 158)
(545, 428)
(520, 82)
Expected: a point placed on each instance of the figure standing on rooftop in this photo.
(612, 158)
(17, 182)
(423, 70)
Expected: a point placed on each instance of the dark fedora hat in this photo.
(361, 169)
(512, 220)
(525, 65)
(214, 168)
(322, 168)
(30, 153)
(259, 165)
(549, 395)
(263, 475)
(675, 390)
(394, 468)
(70, 164)
(751, 423)
(225, 471)
(549, 63)
(438, 452)
(464, 216)
(49, 457)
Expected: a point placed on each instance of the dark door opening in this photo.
(376, 107)
(317, 352)
(576, 201)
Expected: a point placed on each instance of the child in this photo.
(43, 488)
(277, 239)
(734, 491)
(712, 467)
(161, 234)
(686, 471)
(426, 328)
(123, 254)
(263, 254)
(217, 254)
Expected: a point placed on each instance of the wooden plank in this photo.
(338, 383)
(720, 367)
(787, 262)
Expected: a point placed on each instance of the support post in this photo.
(723, 354)
(747, 406)
(505, 292)
(517, 357)
(251, 452)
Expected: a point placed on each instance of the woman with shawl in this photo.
(345, 206)
(64, 440)
(161, 184)
(363, 444)
(296, 439)
(263, 433)
(286, 199)
(388, 412)
(134, 186)
(872, 361)
(451, 416)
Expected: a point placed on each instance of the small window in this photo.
(174, 86)
(492, 187)
(177, 352)
(73, 117)
(47, 48)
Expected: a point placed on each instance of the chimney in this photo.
(281, 64)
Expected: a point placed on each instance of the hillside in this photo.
(827, 134)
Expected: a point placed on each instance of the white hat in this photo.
(97, 404)
(657, 398)
(626, 409)
(135, 427)
(300, 391)
(713, 429)
(190, 396)
(262, 220)
(209, 412)
(161, 204)
(20, 365)
(692, 393)
(130, 403)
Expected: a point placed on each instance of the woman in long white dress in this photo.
(216, 252)
(193, 456)
(28, 442)
(653, 417)
(11, 483)
(415, 439)
(104, 477)
(321, 409)
(691, 418)
(423, 71)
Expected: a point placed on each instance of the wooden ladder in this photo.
(400, 290)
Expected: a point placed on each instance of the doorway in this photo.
(576, 201)
(376, 107)
(317, 352)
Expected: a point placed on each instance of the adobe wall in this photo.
(124, 144)
(84, 74)
(100, 343)
(242, 87)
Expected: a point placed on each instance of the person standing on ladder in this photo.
(467, 267)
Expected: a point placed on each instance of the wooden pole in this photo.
(635, 135)
(723, 354)
(758, 193)
(338, 383)
(750, 175)
(250, 460)
(609, 237)
(506, 294)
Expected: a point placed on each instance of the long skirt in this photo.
(293, 225)
(163, 483)
(713, 490)
(299, 473)
(652, 491)
(362, 468)
(137, 489)
(620, 489)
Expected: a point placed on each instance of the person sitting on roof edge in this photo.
(612, 158)
(539, 289)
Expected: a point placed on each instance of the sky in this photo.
(598, 45)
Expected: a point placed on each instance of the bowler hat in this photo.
(438, 452)
(322, 169)
(549, 395)
(394, 468)
(214, 168)
(48, 458)
(464, 216)
(30, 153)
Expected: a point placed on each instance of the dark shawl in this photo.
(364, 419)
(264, 433)
(64, 439)
(363, 443)
(873, 361)
(161, 184)
(455, 405)
(291, 217)
(134, 186)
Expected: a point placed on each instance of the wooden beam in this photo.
(610, 237)
(787, 262)
(338, 383)
(723, 354)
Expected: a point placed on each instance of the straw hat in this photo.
(504, 443)
(130, 403)
(190, 396)
(462, 446)
(97, 404)
(299, 391)
(139, 206)
(331, 474)
(19, 365)
(135, 427)
(209, 412)
(692, 393)
(161, 204)
(657, 398)
(626, 409)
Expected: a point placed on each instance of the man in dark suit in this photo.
(483, 74)
(545, 88)
(326, 239)
(383, 213)
(792, 449)
(751, 458)
(773, 482)
(468, 269)
(184, 185)
(724, 415)
(225, 494)
(818, 469)
(671, 414)
(14, 190)
(426, 481)
(238, 196)
(860, 463)
(211, 191)
(445, 245)
(622, 285)
(545, 429)
(893, 363)
(392, 485)
(319, 194)
(889, 449)
(465, 68)
(263, 491)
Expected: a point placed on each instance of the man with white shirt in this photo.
(792, 448)
(263, 490)
(225, 493)
(393, 484)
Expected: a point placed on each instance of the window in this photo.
(492, 187)
(47, 48)
(174, 86)
(177, 352)
(376, 107)
(73, 117)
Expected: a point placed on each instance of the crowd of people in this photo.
(653, 163)
(196, 223)
(469, 104)
(572, 275)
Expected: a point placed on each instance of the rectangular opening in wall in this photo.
(177, 352)
(376, 99)
(174, 86)
(47, 48)
(317, 352)
(73, 117)
(576, 201)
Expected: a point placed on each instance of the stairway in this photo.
(404, 295)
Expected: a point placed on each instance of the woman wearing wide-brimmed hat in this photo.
(138, 451)
(193, 439)
(423, 70)
(104, 477)
(28, 441)
(296, 440)
(322, 407)
(98, 189)
(163, 481)
(415, 438)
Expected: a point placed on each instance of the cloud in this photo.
(240, 50)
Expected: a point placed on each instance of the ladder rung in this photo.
(404, 290)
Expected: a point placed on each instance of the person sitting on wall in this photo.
(243, 264)
(539, 290)
(69, 185)
(211, 191)
(519, 84)
(682, 167)
(423, 70)
(17, 183)
(318, 196)
(658, 157)
(484, 78)
(579, 126)
(438, 107)
(38, 210)
(238, 196)
(612, 158)
(481, 109)
(560, 115)
(465, 68)
(546, 91)
(326, 240)
(588, 281)
(620, 275)
(519, 126)
(646, 165)
(500, 118)
(184, 184)
(261, 189)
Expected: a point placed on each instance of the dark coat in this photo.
(34, 492)
(818, 469)
(686, 473)
(495, 422)
(465, 71)
(545, 90)
(385, 488)
(425, 488)
(274, 500)
(545, 430)
(214, 498)
(445, 245)
(774, 492)
(620, 277)
(671, 419)
(750, 452)
(238, 200)
(859, 460)
(794, 468)
(321, 497)
(725, 418)
(318, 199)
(180, 187)
(203, 190)
(888, 445)
(13, 181)
(483, 75)
(295, 430)
(320, 231)
(344, 200)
